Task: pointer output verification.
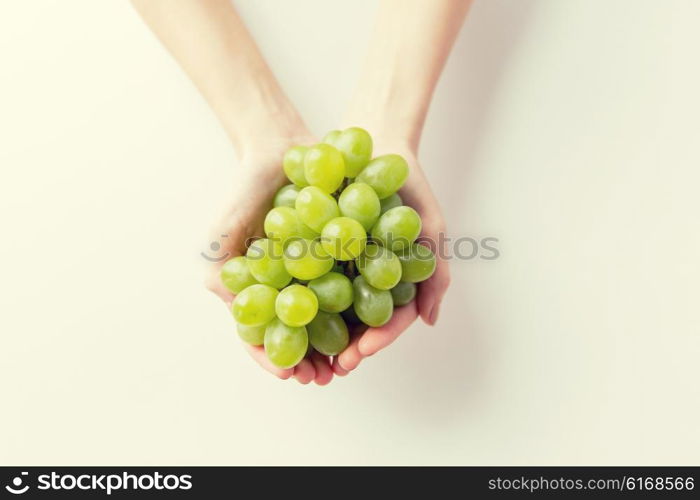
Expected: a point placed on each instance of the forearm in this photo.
(211, 43)
(408, 50)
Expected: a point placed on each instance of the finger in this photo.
(337, 369)
(258, 354)
(376, 339)
(431, 292)
(324, 374)
(350, 358)
(304, 372)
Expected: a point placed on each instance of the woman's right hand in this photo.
(257, 180)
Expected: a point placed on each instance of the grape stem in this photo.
(343, 185)
(350, 269)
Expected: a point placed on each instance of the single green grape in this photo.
(388, 203)
(253, 335)
(235, 274)
(359, 201)
(283, 223)
(324, 167)
(397, 228)
(331, 137)
(306, 259)
(386, 174)
(417, 263)
(296, 305)
(315, 208)
(286, 196)
(403, 293)
(343, 238)
(255, 305)
(328, 333)
(380, 267)
(372, 305)
(265, 259)
(285, 345)
(293, 165)
(355, 144)
(334, 292)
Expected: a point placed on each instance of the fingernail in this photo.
(434, 314)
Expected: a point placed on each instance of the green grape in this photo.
(293, 165)
(380, 267)
(253, 335)
(315, 208)
(397, 228)
(386, 174)
(296, 305)
(235, 274)
(334, 292)
(306, 259)
(328, 333)
(255, 305)
(355, 144)
(306, 232)
(331, 137)
(372, 305)
(324, 167)
(388, 203)
(286, 196)
(283, 223)
(359, 201)
(344, 238)
(403, 293)
(266, 262)
(417, 263)
(285, 345)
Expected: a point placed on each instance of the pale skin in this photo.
(408, 50)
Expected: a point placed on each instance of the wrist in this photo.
(389, 119)
(270, 133)
(388, 136)
(258, 117)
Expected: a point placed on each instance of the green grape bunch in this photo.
(340, 250)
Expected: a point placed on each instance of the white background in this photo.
(567, 129)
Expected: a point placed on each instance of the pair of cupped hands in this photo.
(259, 177)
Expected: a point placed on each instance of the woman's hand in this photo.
(417, 194)
(257, 180)
(409, 47)
(408, 51)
